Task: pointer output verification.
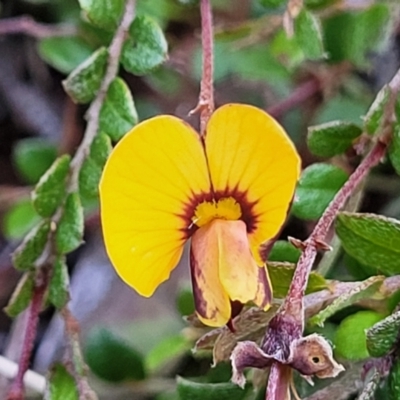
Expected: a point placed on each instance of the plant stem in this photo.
(16, 391)
(206, 98)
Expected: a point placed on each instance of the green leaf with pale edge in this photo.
(69, 232)
(118, 114)
(307, 30)
(32, 247)
(100, 149)
(382, 337)
(64, 53)
(83, 83)
(21, 297)
(394, 149)
(281, 275)
(332, 138)
(89, 178)
(50, 190)
(90, 173)
(375, 114)
(317, 187)
(103, 13)
(394, 380)
(166, 350)
(189, 390)
(364, 290)
(145, 48)
(284, 251)
(111, 359)
(60, 385)
(19, 219)
(59, 283)
(373, 240)
(32, 157)
(350, 339)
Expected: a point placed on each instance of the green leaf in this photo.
(317, 187)
(61, 385)
(89, 178)
(281, 275)
(372, 240)
(273, 3)
(189, 390)
(332, 138)
(374, 117)
(32, 157)
(168, 349)
(59, 284)
(350, 340)
(307, 30)
(365, 290)
(118, 114)
(19, 219)
(145, 48)
(64, 53)
(32, 247)
(110, 358)
(69, 232)
(83, 83)
(284, 251)
(100, 149)
(103, 13)
(382, 337)
(394, 149)
(21, 297)
(50, 190)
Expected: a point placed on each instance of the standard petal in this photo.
(250, 157)
(150, 177)
(212, 302)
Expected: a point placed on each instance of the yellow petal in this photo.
(250, 156)
(212, 302)
(150, 177)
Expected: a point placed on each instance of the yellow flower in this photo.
(229, 192)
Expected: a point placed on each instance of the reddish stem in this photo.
(206, 100)
(16, 391)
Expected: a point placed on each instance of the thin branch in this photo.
(16, 391)
(28, 26)
(206, 98)
(92, 116)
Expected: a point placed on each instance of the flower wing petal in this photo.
(250, 155)
(147, 182)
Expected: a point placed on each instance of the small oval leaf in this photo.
(50, 190)
(284, 251)
(32, 247)
(374, 116)
(373, 240)
(61, 385)
(83, 83)
(59, 284)
(70, 228)
(145, 48)
(22, 296)
(103, 13)
(118, 114)
(332, 138)
(317, 187)
(89, 178)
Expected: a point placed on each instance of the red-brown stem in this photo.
(294, 301)
(279, 382)
(16, 391)
(298, 96)
(206, 100)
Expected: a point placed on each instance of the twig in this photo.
(206, 98)
(16, 391)
(27, 25)
(92, 116)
